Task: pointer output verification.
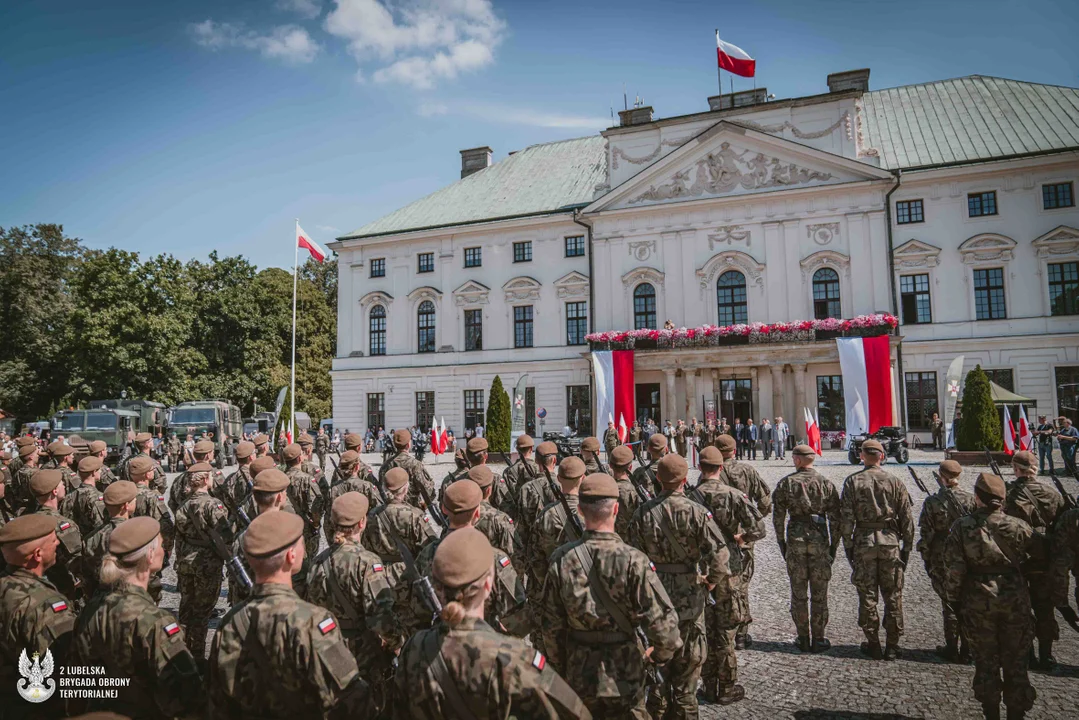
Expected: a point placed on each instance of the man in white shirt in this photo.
(479, 430)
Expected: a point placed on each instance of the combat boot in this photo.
(730, 694)
(872, 649)
(803, 643)
(709, 691)
(821, 644)
(949, 652)
(1015, 713)
(891, 651)
(1046, 661)
(991, 712)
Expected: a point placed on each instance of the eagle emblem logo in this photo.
(36, 685)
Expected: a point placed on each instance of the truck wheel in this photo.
(902, 456)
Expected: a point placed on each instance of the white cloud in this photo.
(514, 115)
(288, 43)
(328, 228)
(418, 42)
(307, 9)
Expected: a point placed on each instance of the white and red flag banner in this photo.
(812, 432)
(1009, 433)
(623, 431)
(306, 242)
(1026, 435)
(734, 59)
(613, 370)
(443, 437)
(436, 440)
(867, 383)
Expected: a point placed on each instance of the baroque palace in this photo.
(942, 214)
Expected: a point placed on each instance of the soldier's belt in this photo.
(676, 568)
(601, 637)
(808, 519)
(994, 570)
(883, 525)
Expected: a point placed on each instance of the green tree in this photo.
(498, 418)
(980, 426)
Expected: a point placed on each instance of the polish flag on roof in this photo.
(734, 59)
(305, 241)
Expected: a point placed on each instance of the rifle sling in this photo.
(440, 673)
(661, 519)
(1001, 546)
(1034, 507)
(600, 590)
(339, 594)
(402, 549)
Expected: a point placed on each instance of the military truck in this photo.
(219, 417)
(111, 425)
(152, 417)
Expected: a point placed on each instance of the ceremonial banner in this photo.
(518, 413)
(867, 383)
(951, 399)
(615, 399)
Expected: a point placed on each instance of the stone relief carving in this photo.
(522, 288)
(1062, 240)
(376, 297)
(823, 233)
(641, 249)
(724, 170)
(844, 122)
(645, 159)
(729, 234)
(824, 258)
(984, 248)
(863, 151)
(730, 260)
(572, 285)
(471, 293)
(916, 254)
(644, 274)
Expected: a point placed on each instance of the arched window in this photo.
(425, 327)
(826, 294)
(644, 307)
(731, 298)
(377, 327)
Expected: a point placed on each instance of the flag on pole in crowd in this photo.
(623, 431)
(613, 371)
(1009, 433)
(867, 383)
(1026, 435)
(443, 437)
(812, 432)
(734, 59)
(303, 240)
(436, 441)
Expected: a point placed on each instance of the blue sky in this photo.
(192, 126)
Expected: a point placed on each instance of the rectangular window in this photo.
(1067, 378)
(830, 405)
(575, 246)
(376, 411)
(425, 409)
(909, 211)
(921, 399)
(989, 294)
(473, 257)
(378, 330)
(576, 322)
(425, 262)
(473, 329)
(914, 299)
(1064, 288)
(1057, 195)
(473, 409)
(578, 408)
(378, 267)
(522, 251)
(1003, 377)
(522, 326)
(984, 203)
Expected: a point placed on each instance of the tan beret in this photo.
(591, 444)
(270, 480)
(401, 438)
(462, 558)
(726, 443)
(476, 445)
(200, 467)
(292, 452)
(120, 492)
(133, 535)
(143, 437)
(204, 447)
(44, 482)
(598, 486)
(571, 467)
(622, 456)
(525, 441)
(547, 448)
(872, 445)
(24, 440)
(950, 469)
(305, 440)
(27, 450)
(272, 532)
(90, 464)
(264, 462)
(353, 441)
(1024, 459)
(712, 456)
(804, 451)
(244, 449)
(140, 465)
(59, 449)
(992, 485)
(98, 445)
(261, 439)
(349, 458)
(28, 527)
(396, 478)
(657, 442)
(5, 456)
(349, 509)
(461, 497)
(672, 470)
(482, 476)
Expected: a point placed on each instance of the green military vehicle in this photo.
(219, 417)
(111, 425)
(152, 417)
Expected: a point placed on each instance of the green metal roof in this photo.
(968, 119)
(545, 178)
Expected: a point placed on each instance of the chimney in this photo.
(475, 159)
(635, 116)
(849, 80)
(742, 98)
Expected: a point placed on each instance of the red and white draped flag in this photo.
(443, 438)
(867, 383)
(305, 241)
(1026, 435)
(734, 59)
(812, 432)
(436, 445)
(623, 431)
(1009, 433)
(613, 370)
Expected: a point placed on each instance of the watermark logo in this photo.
(36, 685)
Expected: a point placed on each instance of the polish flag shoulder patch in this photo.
(511, 521)
(709, 514)
(504, 561)
(65, 525)
(326, 625)
(652, 565)
(539, 662)
(377, 567)
(59, 606)
(171, 629)
(425, 519)
(161, 498)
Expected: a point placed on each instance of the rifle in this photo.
(429, 597)
(992, 463)
(233, 563)
(1069, 501)
(918, 480)
(571, 517)
(645, 494)
(436, 514)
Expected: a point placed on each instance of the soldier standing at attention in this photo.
(878, 531)
(144, 444)
(685, 544)
(62, 456)
(198, 563)
(304, 495)
(610, 440)
(174, 449)
(6, 511)
(417, 474)
(536, 494)
(180, 490)
(85, 504)
(554, 528)
(164, 680)
(521, 472)
(1064, 554)
(23, 498)
(808, 543)
(463, 668)
(17, 461)
(322, 447)
(502, 495)
(100, 450)
(47, 487)
(495, 524)
(590, 455)
(307, 445)
(149, 503)
(267, 495)
(681, 438)
(983, 581)
(645, 475)
(635, 435)
(599, 592)
(744, 477)
(306, 670)
(939, 513)
(236, 489)
(119, 503)
(1038, 504)
(262, 444)
(346, 480)
(621, 459)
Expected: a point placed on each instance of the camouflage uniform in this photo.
(534, 495)
(628, 502)
(322, 448)
(551, 531)
(158, 483)
(1064, 557)
(392, 530)
(516, 476)
(72, 481)
(305, 496)
(645, 476)
(417, 475)
(108, 477)
(21, 497)
(94, 549)
(34, 616)
(86, 507)
(198, 565)
(680, 537)
(234, 492)
(503, 493)
(499, 529)
(66, 574)
(591, 466)
(175, 449)
(939, 513)
(981, 578)
(495, 676)
(125, 632)
(180, 491)
(744, 477)
(149, 503)
(339, 488)
(875, 517)
(811, 538)
(600, 656)
(610, 440)
(303, 668)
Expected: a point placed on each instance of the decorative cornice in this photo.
(730, 260)
(823, 233)
(863, 151)
(1062, 240)
(729, 234)
(425, 293)
(843, 121)
(471, 293)
(572, 285)
(522, 288)
(916, 254)
(825, 258)
(617, 153)
(642, 274)
(987, 247)
(375, 297)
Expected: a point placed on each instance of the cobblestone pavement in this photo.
(780, 682)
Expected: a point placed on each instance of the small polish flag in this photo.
(326, 625)
(436, 441)
(1009, 433)
(734, 59)
(443, 438)
(539, 662)
(1026, 437)
(171, 629)
(812, 432)
(59, 606)
(623, 431)
(305, 241)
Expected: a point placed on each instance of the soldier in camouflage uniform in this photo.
(354, 443)
(174, 449)
(164, 680)
(18, 460)
(150, 503)
(198, 563)
(119, 500)
(599, 597)
(235, 491)
(495, 524)
(62, 456)
(621, 462)
(321, 479)
(322, 447)
(645, 475)
(6, 511)
(144, 445)
(983, 556)
(939, 513)
(878, 531)
(304, 494)
(180, 490)
(461, 667)
(521, 472)
(267, 495)
(503, 495)
(100, 449)
(610, 440)
(554, 528)
(1064, 561)
(417, 474)
(346, 480)
(84, 504)
(808, 544)
(305, 668)
(262, 445)
(535, 495)
(1038, 504)
(691, 557)
(740, 524)
(47, 487)
(590, 455)
(22, 499)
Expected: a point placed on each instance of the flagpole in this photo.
(295, 274)
(719, 70)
